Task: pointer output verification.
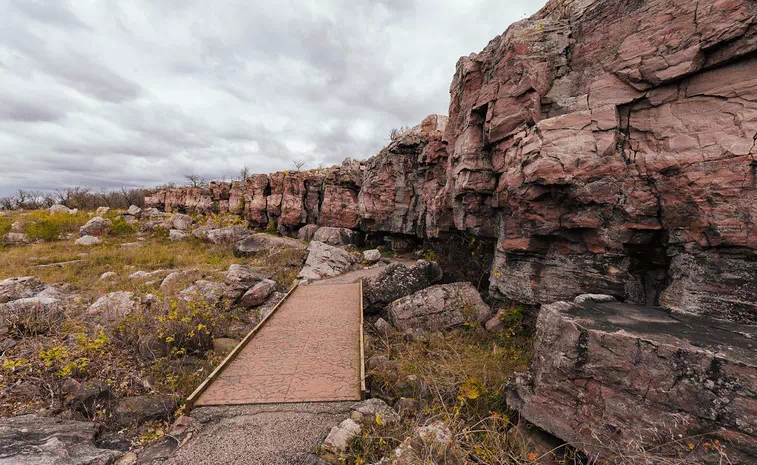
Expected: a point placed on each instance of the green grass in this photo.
(5, 226)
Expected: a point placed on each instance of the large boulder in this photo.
(307, 232)
(241, 278)
(96, 226)
(396, 281)
(112, 307)
(20, 287)
(134, 211)
(615, 373)
(438, 307)
(258, 294)
(210, 292)
(336, 236)
(265, 243)
(36, 440)
(88, 241)
(227, 235)
(326, 261)
(181, 221)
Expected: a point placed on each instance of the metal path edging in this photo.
(212, 377)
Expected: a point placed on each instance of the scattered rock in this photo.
(108, 275)
(326, 261)
(241, 278)
(307, 232)
(396, 281)
(258, 294)
(101, 211)
(131, 245)
(224, 345)
(372, 256)
(147, 274)
(228, 235)
(598, 298)
(20, 287)
(88, 241)
(97, 226)
(339, 436)
(181, 221)
(210, 292)
(438, 308)
(134, 210)
(371, 410)
(407, 406)
(201, 232)
(55, 209)
(86, 397)
(138, 409)
(112, 307)
(16, 238)
(433, 443)
(383, 327)
(176, 235)
(36, 440)
(170, 282)
(335, 236)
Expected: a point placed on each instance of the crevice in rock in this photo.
(650, 263)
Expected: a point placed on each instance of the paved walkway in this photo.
(307, 351)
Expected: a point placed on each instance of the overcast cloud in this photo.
(126, 93)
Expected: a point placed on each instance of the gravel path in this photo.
(275, 434)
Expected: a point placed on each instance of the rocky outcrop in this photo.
(97, 226)
(35, 440)
(608, 377)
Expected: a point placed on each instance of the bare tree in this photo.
(244, 173)
(194, 180)
(396, 133)
(298, 164)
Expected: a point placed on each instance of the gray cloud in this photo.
(116, 93)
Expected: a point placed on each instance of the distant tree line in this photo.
(76, 197)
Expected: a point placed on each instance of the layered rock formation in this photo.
(608, 146)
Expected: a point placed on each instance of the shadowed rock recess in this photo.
(608, 146)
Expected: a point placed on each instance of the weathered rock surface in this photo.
(265, 243)
(181, 221)
(241, 278)
(438, 307)
(372, 256)
(19, 288)
(614, 373)
(88, 241)
(227, 235)
(326, 261)
(307, 232)
(396, 281)
(35, 440)
(339, 437)
(177, 235)
(58, 208)
(432, 443)
(258, 294)
(134, 410)
(97, 226)
(36, 315)
(112, 307)
(335, 236)
(210, 292)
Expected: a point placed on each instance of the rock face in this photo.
(397, 281)
(439, 307)
(608, 148)
(614, 373)
(34, 440)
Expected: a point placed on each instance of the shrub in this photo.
(121, 227)
(48, 227)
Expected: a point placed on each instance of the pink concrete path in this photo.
(307, 351)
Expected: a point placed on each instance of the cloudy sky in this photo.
(121, 93)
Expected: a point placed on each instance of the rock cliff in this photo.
(609, 147)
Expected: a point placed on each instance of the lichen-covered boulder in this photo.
(20, 287)
(438, 307)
